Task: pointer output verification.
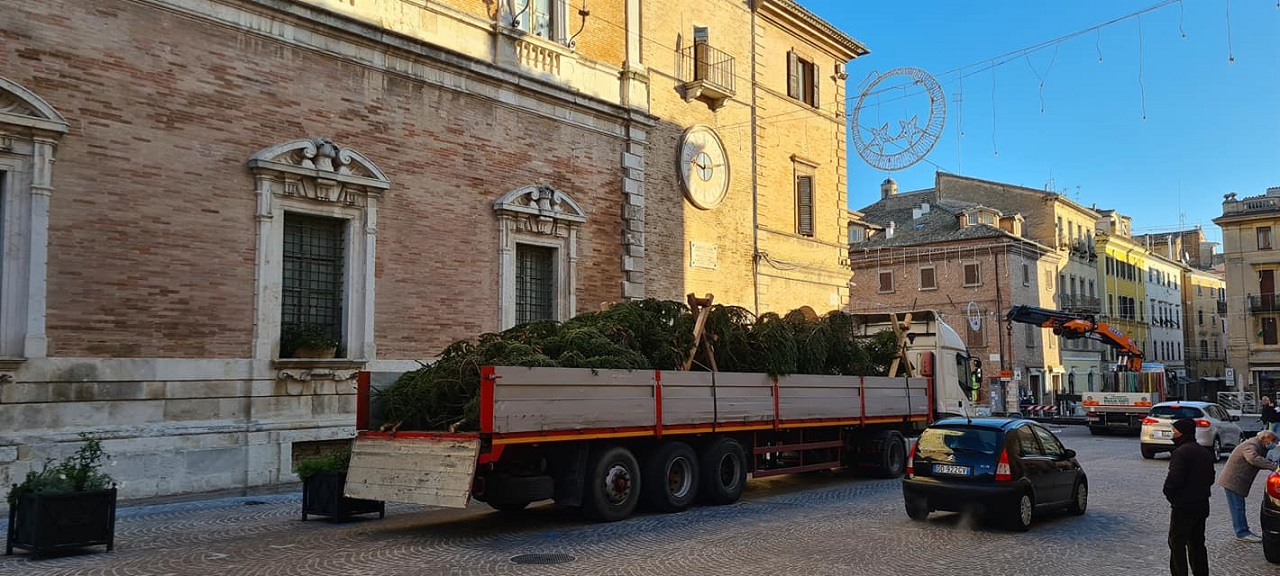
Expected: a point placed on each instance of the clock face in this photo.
(703, 167)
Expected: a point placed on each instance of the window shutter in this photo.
(814, 78)
(793, 79)
(804, 205)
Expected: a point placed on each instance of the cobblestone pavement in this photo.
(811, 525)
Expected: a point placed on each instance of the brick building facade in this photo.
(392, 175)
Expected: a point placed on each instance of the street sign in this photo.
(1006, 374)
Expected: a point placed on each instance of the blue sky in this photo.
(1211, 126)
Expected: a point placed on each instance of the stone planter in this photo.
(44, 522)
(322, 495)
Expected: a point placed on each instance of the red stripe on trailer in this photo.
(362, 400)
(487, 378)
(657, 403)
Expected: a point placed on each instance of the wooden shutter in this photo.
(793, 78)
(886, 281)
(813, 78)
(804, 205)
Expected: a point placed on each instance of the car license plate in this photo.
(951, 469)
(1163, 434)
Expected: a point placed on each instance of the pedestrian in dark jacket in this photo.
(1270, 415)
(1187, 489)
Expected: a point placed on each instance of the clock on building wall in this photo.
(703, 167)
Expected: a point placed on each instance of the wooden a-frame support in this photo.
(700, 308)
(900, 330)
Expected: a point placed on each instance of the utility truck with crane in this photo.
(1127, 392)
(606, 440)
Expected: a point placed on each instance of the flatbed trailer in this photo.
(609, 440)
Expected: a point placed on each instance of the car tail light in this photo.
(1273, 485)
(1150, 421)
(911, 460)
(1003, 474)
(1202, 423)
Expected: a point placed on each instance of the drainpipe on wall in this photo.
(755, 180)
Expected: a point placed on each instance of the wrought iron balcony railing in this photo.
(708, 73)
(1264, 303)
(1080, 303)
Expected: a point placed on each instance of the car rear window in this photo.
(1175, 412)
(959, 439)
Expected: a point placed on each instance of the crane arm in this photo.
(1073, 326)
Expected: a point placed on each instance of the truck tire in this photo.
(509, 507)
(505, 490)
(722, 467)
(613, 484)
(670, 477)
(1097, 430)
(891, 454)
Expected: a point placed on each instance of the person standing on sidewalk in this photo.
(1237, 478)
(1187, 490)
(1270, 415)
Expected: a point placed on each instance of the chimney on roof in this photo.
(888, 188)
(924, 208)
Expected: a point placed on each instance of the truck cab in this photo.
(937, 351)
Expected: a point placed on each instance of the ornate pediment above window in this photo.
(320, 170)
(23, 109)
(540, 209)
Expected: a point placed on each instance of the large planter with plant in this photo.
(68, 505)
(324, 480)
(308, 341)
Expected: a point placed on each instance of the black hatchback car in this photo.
(1271, 519)
(1003, 469)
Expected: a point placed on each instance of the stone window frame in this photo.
(559, 26)
(30, 130)
(964, 268)
(317, 177)
(934, 274)
(538, 215)
(880, 282)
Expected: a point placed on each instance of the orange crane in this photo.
(1072, 326)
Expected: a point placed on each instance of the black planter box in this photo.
(322, 496)
(44, 522)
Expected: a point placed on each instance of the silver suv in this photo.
(1215, 429)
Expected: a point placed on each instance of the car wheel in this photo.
(1217, 449)
(1079, 498)
(1023, 509)
(1149, 453)
(917, 509)
(1271, 548)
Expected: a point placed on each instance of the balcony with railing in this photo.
(708, 74)
(1079, 303)
(1264, 304)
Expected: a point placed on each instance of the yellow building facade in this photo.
(1121, 270)
(761, 85)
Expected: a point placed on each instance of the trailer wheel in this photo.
(891, 455)
(670, 477)
(723, 468)
(613, 484)
(1097, 430)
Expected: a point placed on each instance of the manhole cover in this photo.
(542, 559)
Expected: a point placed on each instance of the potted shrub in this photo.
(308, 341)
(324, 480)
(68, 505)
